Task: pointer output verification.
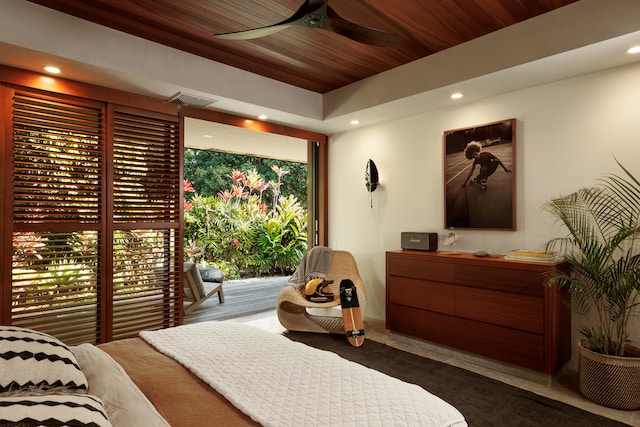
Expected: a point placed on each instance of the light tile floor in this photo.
(562, 387)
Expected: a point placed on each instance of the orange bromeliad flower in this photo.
(238, 176)
(188, 187)
(260, 186)
(236, 191)
(225, 195)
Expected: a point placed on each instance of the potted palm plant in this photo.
(603, 249)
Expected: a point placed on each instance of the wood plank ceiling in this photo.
(312, 59)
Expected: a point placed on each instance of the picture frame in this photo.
(480, 176)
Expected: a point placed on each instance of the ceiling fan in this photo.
(317, 14)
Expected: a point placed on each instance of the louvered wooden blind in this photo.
(96, 223)
(57, 212)
(57, 162)
(146, 168)
(146, 216)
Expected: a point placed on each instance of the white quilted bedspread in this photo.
(278, 382)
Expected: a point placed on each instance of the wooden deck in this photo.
(241, 298)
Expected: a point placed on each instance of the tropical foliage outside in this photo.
(246, 219)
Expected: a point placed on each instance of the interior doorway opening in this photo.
(246, 210)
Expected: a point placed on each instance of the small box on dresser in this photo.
(419, 241)
(492, 307)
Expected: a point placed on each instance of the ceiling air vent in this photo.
(191, 100)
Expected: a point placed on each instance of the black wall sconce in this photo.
(371, 179)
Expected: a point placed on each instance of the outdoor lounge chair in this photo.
(196, 290)
(296, 313)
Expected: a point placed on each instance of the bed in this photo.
(212, 373)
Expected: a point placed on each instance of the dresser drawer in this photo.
(423, 294)
(430, 326)
(524, 282)
(522, 312)
(508, 345)
(420, 269)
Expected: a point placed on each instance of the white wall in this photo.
(567, 134)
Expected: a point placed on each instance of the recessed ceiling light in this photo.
(456, 95)
(634, 49)
(52, 69)
(263, 117)
(355, 122)
(206, 135)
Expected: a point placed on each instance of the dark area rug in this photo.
(483, 401)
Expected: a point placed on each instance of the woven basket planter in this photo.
(611, 381)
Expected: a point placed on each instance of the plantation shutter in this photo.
(57, 216)
(96, 219)
(147, 244)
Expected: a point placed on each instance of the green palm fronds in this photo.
(602, 247)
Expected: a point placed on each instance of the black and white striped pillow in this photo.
(53, 410)
(35, 361)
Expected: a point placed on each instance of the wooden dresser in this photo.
(492, 307)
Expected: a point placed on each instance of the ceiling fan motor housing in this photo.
(316, 21)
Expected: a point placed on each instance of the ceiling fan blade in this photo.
(319, 15)
(360, 33)
(253, 34)
(310, 14)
